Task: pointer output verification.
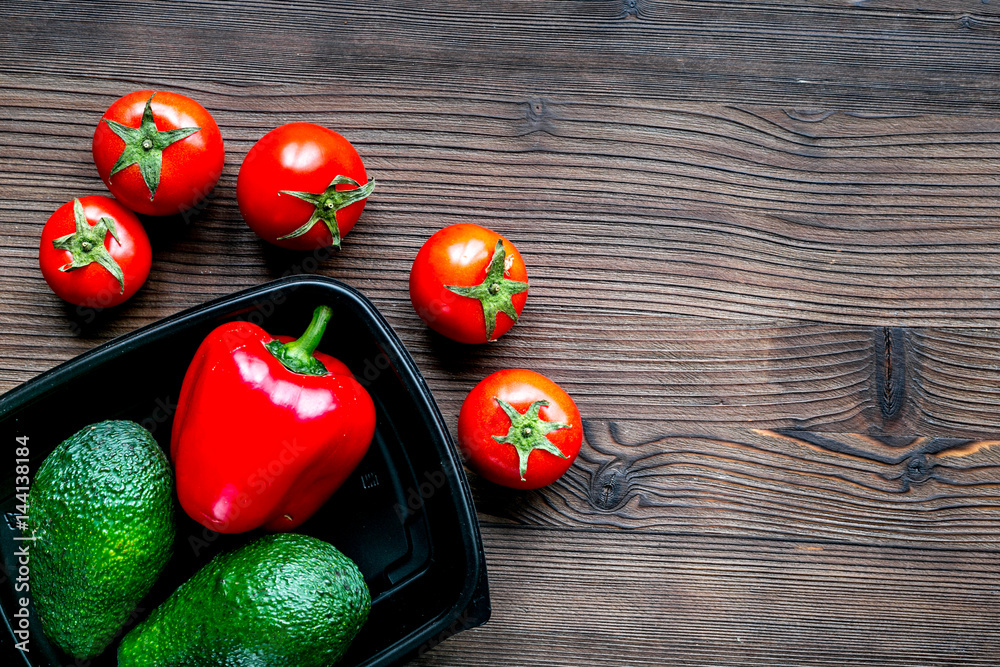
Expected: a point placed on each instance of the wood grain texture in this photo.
(693, 375)
(746, 548)
(683, 375)
(608, 598)
(788, 485)
(632, 276)
(625, 208)
(750, 227)
(858, 55)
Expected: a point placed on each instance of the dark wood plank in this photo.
(689, 375)
(746, 548)
(762, 214)
(692, 375)
(792, 485)
(859, 55)
(708, 211)
(606, 257)
(611, 598)
(955, 380)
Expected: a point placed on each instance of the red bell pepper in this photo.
(266, 429)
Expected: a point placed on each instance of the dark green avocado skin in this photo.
(101, 508)
(284, 599)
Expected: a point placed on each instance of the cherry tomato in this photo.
(159, 153)
(468, 283)
(94, 252)
(519, 429)
(302, 187)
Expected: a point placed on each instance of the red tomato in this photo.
(519, 429)
(94, 252)
(468, 283)
(300, 187)
(159, 153)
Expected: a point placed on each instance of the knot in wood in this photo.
(891, 358)
(536, 111)
(539, 116)
(609, 488)
(917, 469)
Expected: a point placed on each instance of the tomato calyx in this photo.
(144, 145)
(297, 356)
(327, 204)
(527, 432)
(496, 292)
(86, 245)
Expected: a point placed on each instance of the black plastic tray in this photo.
(405, 516)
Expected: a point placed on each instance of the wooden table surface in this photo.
(752, 229)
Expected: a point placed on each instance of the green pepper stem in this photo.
(297, 356)
(308, 342)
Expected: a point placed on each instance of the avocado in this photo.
(101, 509)
(284, 599)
